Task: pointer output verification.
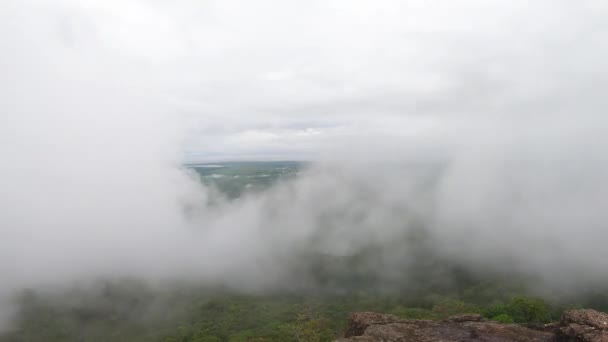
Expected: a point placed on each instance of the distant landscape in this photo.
(236, 178)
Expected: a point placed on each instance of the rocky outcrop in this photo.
(583, 326)
(575, 325)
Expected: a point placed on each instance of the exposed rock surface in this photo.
(583, 326)
(575, 325)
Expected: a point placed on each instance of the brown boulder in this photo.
(359, 321)
(465, 318)
(371, 327)
(596, 319)
(575, 326)
(583, 326)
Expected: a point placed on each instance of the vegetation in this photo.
(521, 310)
(131, 311)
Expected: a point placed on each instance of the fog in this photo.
(481, 122)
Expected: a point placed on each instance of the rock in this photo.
(583, 326)
(359, 321)
(465, 318)
(375, 327)
(575, 326)
(596, 319)
(549, 327)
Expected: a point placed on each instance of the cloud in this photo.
(101, 100)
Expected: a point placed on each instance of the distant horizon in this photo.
(245, 161)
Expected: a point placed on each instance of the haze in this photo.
(103, 101)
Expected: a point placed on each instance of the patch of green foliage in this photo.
(503, 318)
(132, 312)
(454, 307)
(521, 310)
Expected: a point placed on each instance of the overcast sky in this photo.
(291, 79)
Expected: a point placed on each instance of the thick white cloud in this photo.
(241, 70)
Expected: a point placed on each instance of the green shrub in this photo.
(305, 329)
(503, 318)
(496, 310)
(521, 310)
(527, 309)
(454, 307)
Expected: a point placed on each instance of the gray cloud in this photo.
(102, 99)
